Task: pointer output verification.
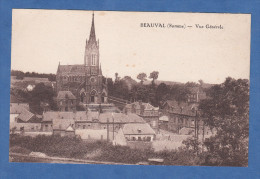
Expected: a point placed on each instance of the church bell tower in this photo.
(94, 86)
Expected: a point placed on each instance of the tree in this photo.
(154, 76)
(179, 92)
(142, 77)
(162, 93)
(20, 76)
(201, 82)
(41, 93)
(227, 111)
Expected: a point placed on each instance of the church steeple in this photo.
(92, 35)
(91, 57)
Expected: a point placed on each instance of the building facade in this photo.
(85, 81)
(66, 101)
(145, 110)
(179, 116)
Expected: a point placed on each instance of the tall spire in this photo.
(92, 35)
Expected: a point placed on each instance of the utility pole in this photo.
(196, 131)
(107, 130)
(113, 126)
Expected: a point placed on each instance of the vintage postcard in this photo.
(130, 88)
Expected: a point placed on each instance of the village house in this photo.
(49, 116)
(180, 115)
(89, 120)
(145, 110)
(21, 119)
(134, 135)
(115, 121)
(66, 101)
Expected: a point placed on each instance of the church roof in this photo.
(72, 69)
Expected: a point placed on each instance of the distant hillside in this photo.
(157, 82)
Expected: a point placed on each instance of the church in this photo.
(85, 81)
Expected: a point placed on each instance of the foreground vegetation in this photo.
(98, 150)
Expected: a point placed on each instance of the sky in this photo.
(43, 38)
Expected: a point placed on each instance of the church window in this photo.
(93, 59)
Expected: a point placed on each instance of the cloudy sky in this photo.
(43, 38)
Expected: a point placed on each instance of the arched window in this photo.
(103, 97)
(93, 59)
(92, 96)
(82, 95)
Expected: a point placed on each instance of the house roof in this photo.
(142, 128)
(77, 116)
(25, 115)
(17, 108)
(181, 108)
(65, 95)
(62, 124)
(70, 128)
(138, 105)
(120, 118)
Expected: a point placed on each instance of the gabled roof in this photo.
(65, 95)
(62, 124)
(25, 115)
(70, 128)
(180, 108)
(71, 69)
(142, 129)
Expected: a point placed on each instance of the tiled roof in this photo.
(146, 106)
(120, 118)
(17, 108)
(62, 124)
(77, 116)
(65, 95)
(25, 115)
(181, 108)
(138, 129)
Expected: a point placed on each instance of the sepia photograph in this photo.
(129, 88)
